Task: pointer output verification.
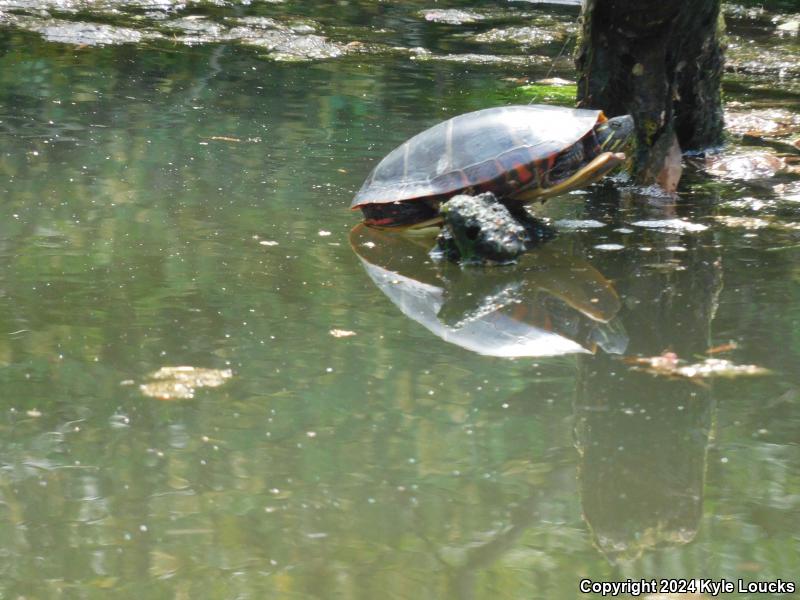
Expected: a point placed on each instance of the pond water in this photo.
(364, 433)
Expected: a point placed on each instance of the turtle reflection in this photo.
(553, 302)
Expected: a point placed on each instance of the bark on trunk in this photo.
(662, 62)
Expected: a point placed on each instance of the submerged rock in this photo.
(747, 56)
(480, 59)
(524, 36)
(451, 16)
(77, 32)
(288, 46)
(288, 42)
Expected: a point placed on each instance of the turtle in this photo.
(519, 153)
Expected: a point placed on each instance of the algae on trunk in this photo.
(661, 62)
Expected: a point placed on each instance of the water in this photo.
(170, 204)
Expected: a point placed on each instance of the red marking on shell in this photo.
(524, 174)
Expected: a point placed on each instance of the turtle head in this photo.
(615, 135)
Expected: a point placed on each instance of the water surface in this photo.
(171, 204)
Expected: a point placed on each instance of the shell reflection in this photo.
(551, 303)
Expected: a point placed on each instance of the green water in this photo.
(168, 204)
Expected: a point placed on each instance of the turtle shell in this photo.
(496, 149)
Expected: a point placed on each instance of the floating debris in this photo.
(756, 164)
(556, 81)
(773, 122)
(727, 347)
(742, 222)
(341, 333)
(224, 138)
(669, 365)
(180, 383)
(671, 225)
(787, 24)
(749, 203)
(719, 367)
(578, 224)
(788, 191)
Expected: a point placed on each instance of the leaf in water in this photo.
(718, 367)
(104, 583)
(163, 565)
(669, 365)
(224, 138)
(723, 348)
(180, 383)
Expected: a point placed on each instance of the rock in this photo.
(479, 229)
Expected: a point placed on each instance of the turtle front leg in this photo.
(595, 170)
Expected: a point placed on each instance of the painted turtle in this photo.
(520, 153)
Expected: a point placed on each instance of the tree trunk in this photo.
(661, 61)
